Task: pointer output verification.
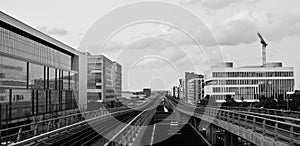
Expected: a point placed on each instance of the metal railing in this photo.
(286, 113)
(277, 112)
(73, 121)
(17, 111)
(128, 134)
(280, 115)
(18, 133)
(279, 130)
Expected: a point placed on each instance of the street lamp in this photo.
(288, 98)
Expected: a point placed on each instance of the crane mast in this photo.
(264, 51)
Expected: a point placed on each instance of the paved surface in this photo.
(161, 134)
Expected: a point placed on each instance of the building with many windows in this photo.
(188, 77)
(104, 79)
(249, 83)
(38, 74)
(195, 90)
(181, 89)
(117, 79)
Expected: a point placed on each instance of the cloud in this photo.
(189, 2)
(216, 4)
(242, 27)
(54, 31)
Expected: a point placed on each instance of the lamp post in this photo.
(288, 99)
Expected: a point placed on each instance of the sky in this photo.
(157, 41)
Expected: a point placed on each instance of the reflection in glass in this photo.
(51, 78)
(36, 76)
(12, 73)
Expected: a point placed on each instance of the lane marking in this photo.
(205, 140)
(152, 137)
(165, 109)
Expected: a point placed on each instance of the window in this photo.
(13, 73)
(52, 78)
(13, 43)
(36, 76)
(65, 80)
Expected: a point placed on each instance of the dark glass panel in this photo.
(12, 73)
(51, 78)
(21, 103)
(41, 95)
(4, 95)
(73, 81)
(54, 96)
(18, 45)
(94, 96)
(36, 76)
(65, 80)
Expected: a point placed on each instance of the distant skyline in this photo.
(234, 23)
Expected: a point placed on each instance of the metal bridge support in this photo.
(230, 139)
(211, 134)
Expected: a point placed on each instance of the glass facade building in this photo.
(37, 76)
(249, 83)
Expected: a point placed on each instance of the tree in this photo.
(208, 100)
(270, 103)
(229, 101)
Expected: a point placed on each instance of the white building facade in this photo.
(249, 83)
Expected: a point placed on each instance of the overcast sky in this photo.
(155, 55)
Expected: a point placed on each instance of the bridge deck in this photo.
(164, 134)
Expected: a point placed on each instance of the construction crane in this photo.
(264, 51)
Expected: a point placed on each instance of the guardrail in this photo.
(283, 131)
(75, 121)
(280, 115)
(128, 134)
(42, 137)
(18, 133)
(286, 113)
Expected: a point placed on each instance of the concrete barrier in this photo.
(258, 139)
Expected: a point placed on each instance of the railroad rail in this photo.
(41, 131)
(128, 134)
(95, 131)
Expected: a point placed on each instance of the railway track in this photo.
(94, 133)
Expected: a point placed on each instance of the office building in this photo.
(189, 76)
(117, 79)
(175, 91)
(181, 89)
(147, 92)
(104, 79)
(38, 74)
(195, 90)
(249, 83)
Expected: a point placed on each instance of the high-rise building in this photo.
(181, 89)
(195, 90)
(117, 79)
(249, 83)
(38, 74)
(175, 91)
(147, 92)
(189, 76)
(104, 79)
